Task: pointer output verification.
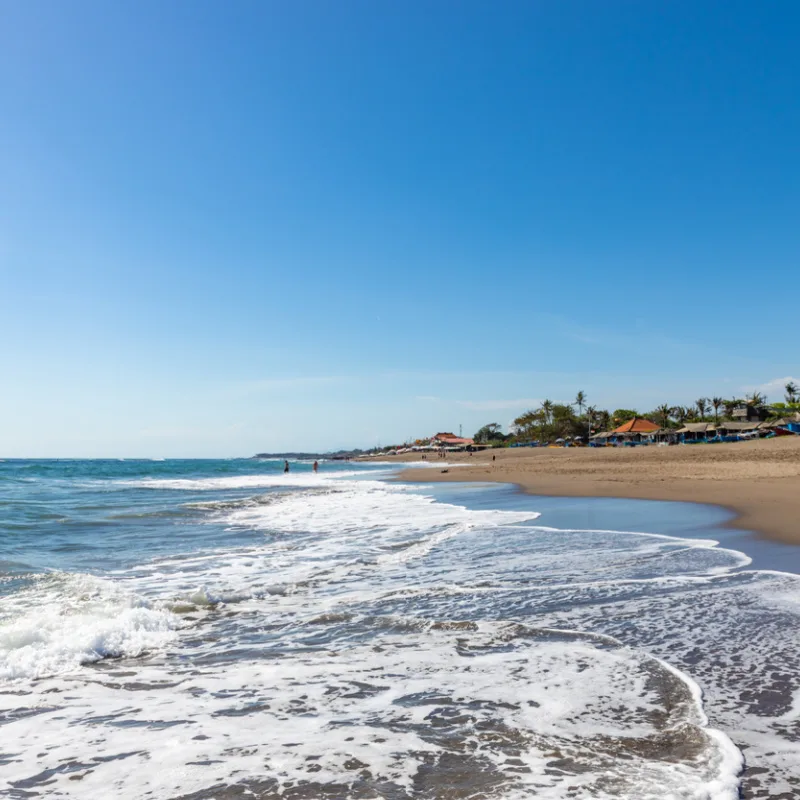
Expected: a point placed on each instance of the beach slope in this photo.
(758, 481)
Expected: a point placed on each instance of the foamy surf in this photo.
(415, 710)
(64, 621)
(296, 480)
(328, 637)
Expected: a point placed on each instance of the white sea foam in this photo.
(372, 623)
(507, 695)
(358, 507)
(290, 480)
(330, 544)
(295, 479)
(66, 620)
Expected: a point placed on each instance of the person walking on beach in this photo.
(285, 467)
(316, 467)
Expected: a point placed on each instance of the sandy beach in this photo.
(758, 481)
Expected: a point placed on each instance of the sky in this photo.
(229, 228)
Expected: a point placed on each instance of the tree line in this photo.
(553, 421)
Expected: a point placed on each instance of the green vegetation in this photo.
(783, 408)
(490, 434)
(553, 421)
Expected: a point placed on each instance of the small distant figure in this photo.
(316, 466)
(494, 457)
(285, 467)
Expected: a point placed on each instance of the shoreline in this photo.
(757, 482)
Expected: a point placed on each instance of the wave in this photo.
(65, 620)
(408, 708)
(452, 644)
(290, 480)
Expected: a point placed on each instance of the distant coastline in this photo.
(338, 455)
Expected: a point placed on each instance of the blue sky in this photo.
(235, 227)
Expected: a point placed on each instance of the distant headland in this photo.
(338, 455)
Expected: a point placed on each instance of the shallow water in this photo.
(217, 629)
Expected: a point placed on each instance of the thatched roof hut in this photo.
(738, 427)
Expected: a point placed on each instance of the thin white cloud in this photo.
(773, 387)
(428, 398)
(499, 405)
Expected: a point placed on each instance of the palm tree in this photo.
(665, 412)
(756, 399)
(791, 392)
(717, 402)
(547, 407)
(580, 401)
(681, 413)
(730, 405)
(702, 406)
(605, 419)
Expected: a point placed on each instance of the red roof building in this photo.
(637, 425)
(446, 439)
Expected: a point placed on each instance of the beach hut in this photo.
(634, 429)
(661, 436)
(735, 431)
(782, 426)
(693, 432)
(636, 425)
(451, 442)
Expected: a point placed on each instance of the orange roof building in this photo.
(637, 425)
(450, 439)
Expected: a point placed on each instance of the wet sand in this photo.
(758, 481)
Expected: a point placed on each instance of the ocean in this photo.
(217, 629)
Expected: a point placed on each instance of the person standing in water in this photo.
(316, 466)
(285, 467)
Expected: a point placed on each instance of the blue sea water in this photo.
(100, 515)
(202, 629)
